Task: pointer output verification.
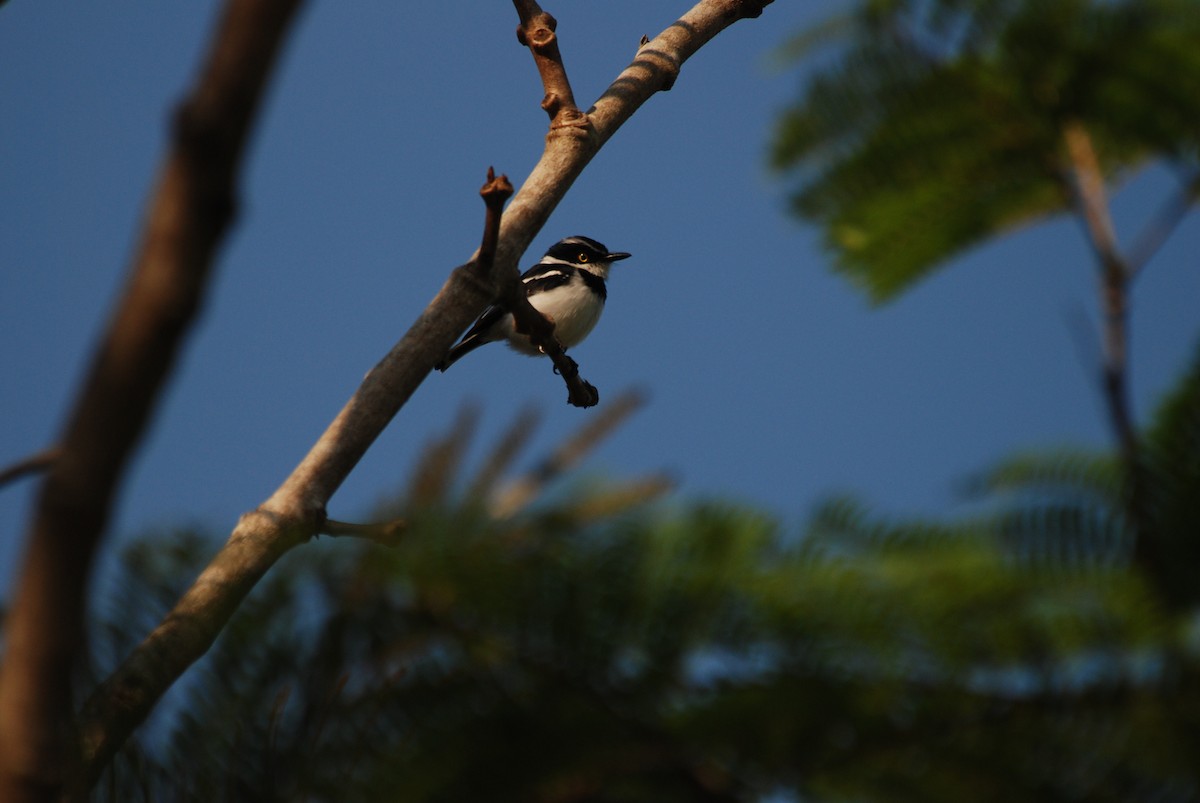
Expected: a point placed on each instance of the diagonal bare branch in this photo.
(296, 510)
(293, 514)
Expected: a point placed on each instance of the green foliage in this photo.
(703, 654)
(1171, 456)
(940, 123)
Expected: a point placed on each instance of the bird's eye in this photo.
(582, 257)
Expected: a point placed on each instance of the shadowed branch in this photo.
(192, 209)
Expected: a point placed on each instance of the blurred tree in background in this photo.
(583, 650)
(944, 123)
(940, 124)
(589, 648)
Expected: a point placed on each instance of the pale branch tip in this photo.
(1091, 202)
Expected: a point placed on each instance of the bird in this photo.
(567, 286)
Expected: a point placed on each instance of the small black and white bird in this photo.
(567, 286)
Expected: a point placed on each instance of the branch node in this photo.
(496, 190)
(538, 34)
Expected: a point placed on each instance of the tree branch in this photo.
(537, 32)
(295, 511)
(1092, 202)
(192, 209)
(293, 514)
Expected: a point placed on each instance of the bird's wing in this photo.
(538, 279)
(543, 277)
(490, 317)
(478, 335)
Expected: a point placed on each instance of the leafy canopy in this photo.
(939, 123)
(704, 654)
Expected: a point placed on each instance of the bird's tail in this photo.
(458, 352)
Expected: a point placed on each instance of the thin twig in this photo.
(32, 464)
(384, 533)
(1160, 228)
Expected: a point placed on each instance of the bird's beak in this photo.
(616, 256)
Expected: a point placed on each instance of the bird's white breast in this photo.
(575, 310)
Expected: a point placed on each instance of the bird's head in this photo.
(584, 253)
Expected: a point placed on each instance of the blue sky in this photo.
(771, 380)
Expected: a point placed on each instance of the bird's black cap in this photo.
(572, 249)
